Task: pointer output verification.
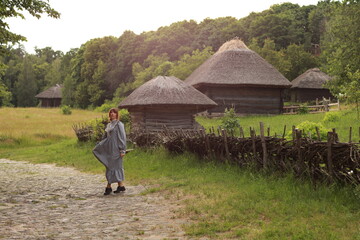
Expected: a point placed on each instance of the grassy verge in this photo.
(221, 201)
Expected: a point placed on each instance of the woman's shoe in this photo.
(120, 189)
(107, 191)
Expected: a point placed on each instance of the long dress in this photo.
(108, 150)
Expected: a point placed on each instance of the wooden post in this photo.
(226, 144)
(252, 135)
(207, 144)
(283, 136)
(268, 132)
(350, 133)
(298, 134)
(293, 134)
(263, 144)
(330, 139)
(318, 133)
(242, 132)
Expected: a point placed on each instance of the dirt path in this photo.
(43, 201)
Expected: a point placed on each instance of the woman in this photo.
(111, 150)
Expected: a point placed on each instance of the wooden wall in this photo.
(153, 119)
(50, 102)
(305, 94)
(245, 100)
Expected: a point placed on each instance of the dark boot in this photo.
(120, 189)
(107, 191)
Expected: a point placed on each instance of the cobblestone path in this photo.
(42, 201)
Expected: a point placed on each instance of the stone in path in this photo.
(42, 201)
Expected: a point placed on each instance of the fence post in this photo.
(330, 139)
(226, 144)
(350, 133)
(298, 134)
(242, 132)
(318, 133)
(252, 134)
(263, 144)
(283, 136)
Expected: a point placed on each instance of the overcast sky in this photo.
(82, 20)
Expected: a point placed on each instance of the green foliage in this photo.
(66, 110)
(230, 121)
(310, 127)
(98, 128)
(5, 96)
(105, 107)
(332, 117)
(124, 116)
(16, 9)
(303, 109)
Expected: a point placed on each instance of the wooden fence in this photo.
(320, 161)
(322, 106)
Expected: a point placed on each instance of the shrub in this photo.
(332, 116)
(104, 108)
(124, 116)
(229, 121)
(310, 127)
(66, 110)
(303, 109)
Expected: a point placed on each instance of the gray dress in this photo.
(108, 150)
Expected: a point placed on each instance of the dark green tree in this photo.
(26, 88)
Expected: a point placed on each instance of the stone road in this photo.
(42, 201)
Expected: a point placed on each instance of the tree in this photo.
(189, 62)
(10, 8)
(26, 86)
(5, 96)
(341, 48)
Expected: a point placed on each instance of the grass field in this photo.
(220, 201)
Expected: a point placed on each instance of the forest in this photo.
(292, 38)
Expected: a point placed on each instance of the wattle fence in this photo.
(320, 161)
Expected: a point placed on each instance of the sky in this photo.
(82, 20)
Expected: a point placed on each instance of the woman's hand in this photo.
(122, 154)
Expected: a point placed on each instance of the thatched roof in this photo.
(164, 90)
(312, 78)
(52, 92)
(235, 64)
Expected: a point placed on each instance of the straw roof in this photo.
(164, 90)
(52, 92)
(235, 64)
(312, 78)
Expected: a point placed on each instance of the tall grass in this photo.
(221, 201)
(39, 124)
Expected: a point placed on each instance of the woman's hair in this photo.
(115, 111)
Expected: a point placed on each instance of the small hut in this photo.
(51, 97)
(165, 101)
(309, 86)
(238, 77)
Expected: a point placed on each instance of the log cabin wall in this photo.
(306, 94)
(50, 102)
(153, 119)
(246, 100)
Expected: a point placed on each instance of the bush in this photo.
(303, 109)
(124, 116)
(332, 117)
(104, 108)
(310, 127)
(229, 121)
(66, 110)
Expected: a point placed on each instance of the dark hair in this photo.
(115, 111)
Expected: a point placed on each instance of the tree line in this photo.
(292, 38)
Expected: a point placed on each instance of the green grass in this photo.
(220, 201)
(276, 123)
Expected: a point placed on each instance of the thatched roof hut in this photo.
(51, 97)
(238, 77)
(165, 101)
(310, 86)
